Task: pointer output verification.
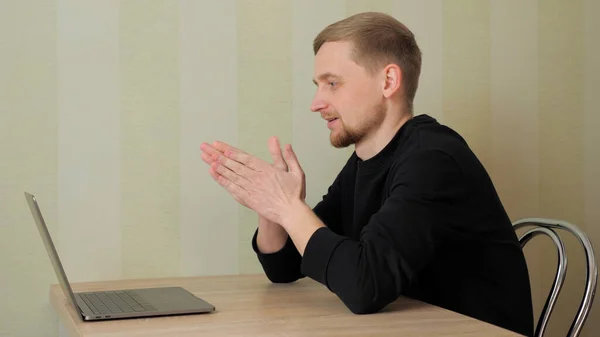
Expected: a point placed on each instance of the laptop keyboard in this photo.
(115, 302)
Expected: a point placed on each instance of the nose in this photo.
(318, 103)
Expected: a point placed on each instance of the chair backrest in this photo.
(548, 226)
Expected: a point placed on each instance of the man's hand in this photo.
(271, 236)
(209, 153)
(273, 193)
(255, 183)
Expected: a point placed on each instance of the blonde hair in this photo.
(378, 39)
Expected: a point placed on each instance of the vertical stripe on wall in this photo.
(466, 75)
(561, 108)
(592, 140)
(561, 151)
(89, 139)
(428, 33)
(514, 97)
(320, 161)
(357, 6)
(150, 138)
(28, 134)
(208, 70)
(265, 93)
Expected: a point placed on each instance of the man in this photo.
(412, 212)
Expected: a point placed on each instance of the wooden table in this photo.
(249, 305)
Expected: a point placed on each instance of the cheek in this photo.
(348, 106)
(353, 104)
(360, 100)
(352, 112)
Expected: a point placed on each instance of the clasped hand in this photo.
(271, 190)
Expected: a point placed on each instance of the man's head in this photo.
(365, 65)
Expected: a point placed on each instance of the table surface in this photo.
(249, 305)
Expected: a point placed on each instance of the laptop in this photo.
(117, 304)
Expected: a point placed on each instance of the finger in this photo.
(209, 150)
(214, 174)
(238, 193)
(210, 153)
(292, 160)
(238, 168)
(230, 175)
(205, 147)
(206, 158)
(241, 156)
(223, 147)
(275, 150)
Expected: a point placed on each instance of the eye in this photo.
(332, 84)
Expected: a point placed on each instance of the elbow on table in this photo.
(286, 278)
(364, 304)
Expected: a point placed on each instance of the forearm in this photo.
(300, 223)
(279, 252)
(358, 272)
(271, 236)
(364, 274)
(277, 255)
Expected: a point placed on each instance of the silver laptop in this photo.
(126, 303)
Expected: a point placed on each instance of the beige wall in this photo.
(103, 105)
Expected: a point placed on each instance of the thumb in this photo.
(292, 160)
(275, 150)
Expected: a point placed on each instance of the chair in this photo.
(548, 226)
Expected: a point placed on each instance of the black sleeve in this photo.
(283, 266)
(398, 241)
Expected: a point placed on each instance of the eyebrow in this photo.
(324, 76)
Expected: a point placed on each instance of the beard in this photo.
(347, 136)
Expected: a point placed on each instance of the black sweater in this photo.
(420, 219)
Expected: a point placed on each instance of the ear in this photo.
(392, 80)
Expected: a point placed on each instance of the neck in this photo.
(376, 140)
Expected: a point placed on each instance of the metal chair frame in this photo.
(547, 227)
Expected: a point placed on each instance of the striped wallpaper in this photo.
(104, 103)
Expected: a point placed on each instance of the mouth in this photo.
(331, 122)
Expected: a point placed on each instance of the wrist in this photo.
(296, 210)
(265, 222)
(300, 222)
(271, 237)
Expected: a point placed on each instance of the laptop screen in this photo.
(45, 234)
